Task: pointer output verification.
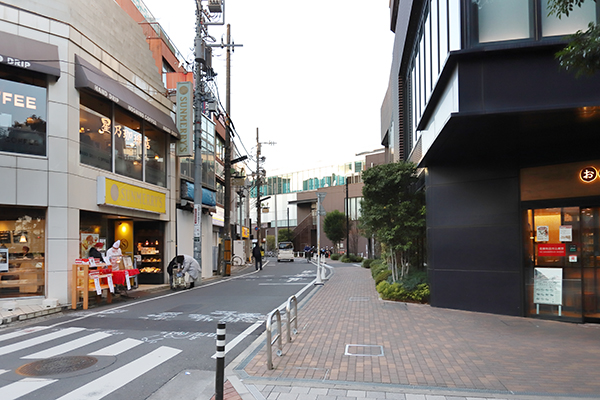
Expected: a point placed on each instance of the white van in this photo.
(285, 251)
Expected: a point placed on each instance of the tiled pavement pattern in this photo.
(229, 393)
(348, 337)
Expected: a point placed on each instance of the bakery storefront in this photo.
(141, 240)
(127, 141)
(561, 234)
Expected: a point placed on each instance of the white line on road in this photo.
(240, 337)
(112, 381)
(117, 348)
(23, 387)
(22, 332)
(38, 340)
(282, 284)
(69, 346)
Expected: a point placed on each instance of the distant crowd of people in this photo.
(309, 251)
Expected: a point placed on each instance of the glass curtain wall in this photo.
(513, 20)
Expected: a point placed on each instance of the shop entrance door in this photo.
(590, 260)
(563, 268)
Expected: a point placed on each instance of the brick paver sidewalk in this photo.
(348, 334)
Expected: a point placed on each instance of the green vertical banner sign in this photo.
(185, 119)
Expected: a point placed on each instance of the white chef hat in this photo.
(116, 244)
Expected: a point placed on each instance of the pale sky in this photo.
(311, 75)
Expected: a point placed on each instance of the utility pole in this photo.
(198, 98)
(320, 212)
(227, 235)
(276, 223)
(347, 222)
(258, 181)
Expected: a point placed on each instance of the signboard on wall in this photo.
(547, 286)
(185, 119)
(551, 250)
(119, 194)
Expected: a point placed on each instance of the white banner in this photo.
(547, 286)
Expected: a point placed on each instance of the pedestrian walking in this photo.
(307, 252)
(257, 254)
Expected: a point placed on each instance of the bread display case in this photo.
(151, 265)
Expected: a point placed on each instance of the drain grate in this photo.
(364, 350)
(56, 365)
(359, 299)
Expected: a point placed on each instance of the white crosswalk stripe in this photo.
(23, 387)
(22, 332)
(97, 389)
(117, 348)
(112, 381)
(69, 346)
(38, 340)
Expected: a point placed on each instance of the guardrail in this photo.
(288, 310)
(291, 310)
(276, 339)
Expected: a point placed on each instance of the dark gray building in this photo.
(508, 146)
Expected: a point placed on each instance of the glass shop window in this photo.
(156, 169)
(128, 144)
(22, 252)
(23, 117)
(95, 132)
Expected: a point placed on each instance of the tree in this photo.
(353, 237)
(393, 211)
(334, 226)
(271, 243)
(582, 54)
(285, 235)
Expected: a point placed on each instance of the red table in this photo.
(118, 276)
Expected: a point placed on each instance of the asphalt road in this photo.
(129, 350)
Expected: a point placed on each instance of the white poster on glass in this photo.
(547, 286)
(543, 233)
(566, 233)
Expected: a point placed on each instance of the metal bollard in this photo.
(271, 340)
(220, 377)
(288, 309)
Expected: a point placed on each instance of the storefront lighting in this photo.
(23, 238)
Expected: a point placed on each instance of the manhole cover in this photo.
(56, 365)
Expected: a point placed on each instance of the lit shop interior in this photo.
(140, 240)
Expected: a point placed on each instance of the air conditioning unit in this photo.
(214, 6)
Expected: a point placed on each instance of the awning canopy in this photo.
(88, 76)
(303, 201)
(29, 54)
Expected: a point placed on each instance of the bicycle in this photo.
(237, 261)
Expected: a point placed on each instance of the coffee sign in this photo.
(14, 62)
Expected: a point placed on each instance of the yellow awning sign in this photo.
(119, 194)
